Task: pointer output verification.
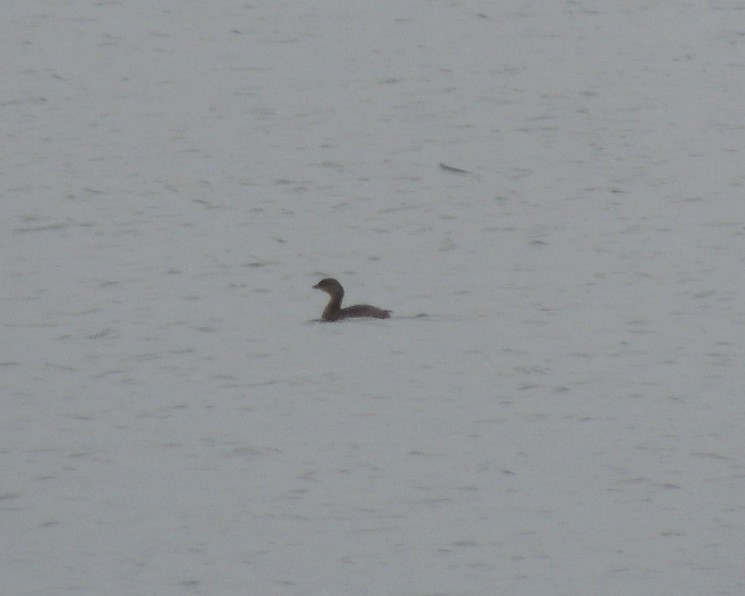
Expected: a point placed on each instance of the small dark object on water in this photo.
(452, 170)
(334, 311)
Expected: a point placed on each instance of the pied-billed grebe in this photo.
(334, 311)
